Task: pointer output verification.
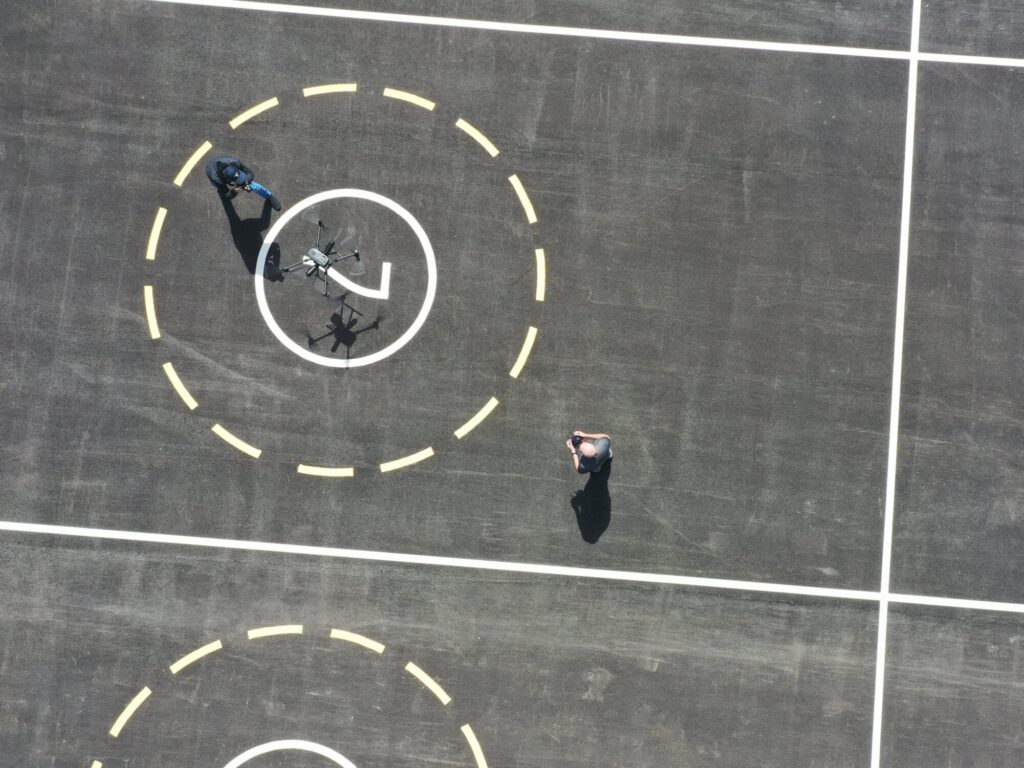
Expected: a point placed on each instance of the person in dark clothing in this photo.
(228, 175)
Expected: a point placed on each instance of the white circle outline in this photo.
(291, 744)
(401, 341)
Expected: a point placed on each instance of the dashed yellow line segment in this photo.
(474, 745)
(429, 683)
(195, 656)
(236, 442)
(179, 387)
(280, 629)
(477, 136)
(128, 711)
(250, 113)
(352, 637)
(191, 163)
(405, 461)
(154, 233)
(320, 90)
(541, 274)
(524, 199)
(309, 469)
(147, 295)
(96, 764)
(474, 422)
(524, 353)
(412, 98)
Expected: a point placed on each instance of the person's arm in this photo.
(575, 454)
(589, 436)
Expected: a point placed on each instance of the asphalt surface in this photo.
(720, 232)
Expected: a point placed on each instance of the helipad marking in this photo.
(154, 233)
(474, 422)
(352, 637)
(250, 113)
(524, 199)
(235, 442)
(405, 461)
(482, 140)
(524, 353)
(191, 163)
(308, 469)
(128, 711)
(301, 349)
(291, 744)
(429, 683)
(478, 753)
(196, 655)
(147, 295)
(320, 90)
(412, 98)
(541, 276)
(96, 764)
(179, 387)
(280, 629)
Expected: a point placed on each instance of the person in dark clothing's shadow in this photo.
(248, 237)
(593, 504)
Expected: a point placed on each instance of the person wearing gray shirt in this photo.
(589, 452)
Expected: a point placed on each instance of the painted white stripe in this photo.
(280, 629)
(291, 745)
(134, 704)
(536, 569)
(250, 113)
(953, 58)
(429, 683)
(541, 274)
(320, 90)
(524, 199)
(412, 98)
(179, 387)
(524, 353)
(96, 764)
(474, 422)
(309, 469)
(352, 637)
(545, 29)
(195, 656)
(478, 753)
(405, 461)
(191, 163)
(236, 442)
(154, 233)
(438, 560)
(477, 136)
(897, 379)
(601, 34)
(147, 296)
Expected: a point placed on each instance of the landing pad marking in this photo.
(401, 341)
(291, 744)
(236, 442)
(250, 113)
(191, 163)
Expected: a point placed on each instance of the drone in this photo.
(316, 262)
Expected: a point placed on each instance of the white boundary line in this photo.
(602, 34)
(539, 569)
(897, 379)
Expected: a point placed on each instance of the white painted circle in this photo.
(397, 344)
(291, 744)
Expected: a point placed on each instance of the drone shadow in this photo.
(343, 331)
(247, 235)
